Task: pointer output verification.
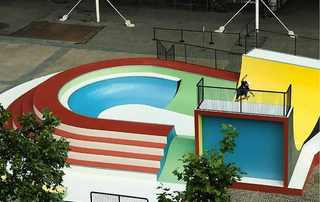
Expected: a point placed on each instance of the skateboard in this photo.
(242, 98)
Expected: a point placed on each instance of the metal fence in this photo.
(106, 197)
(243, 41)
(199, 55)
(270, 103)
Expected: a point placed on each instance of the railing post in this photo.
(198, 96)
(240, 104)
(257, 38)
(245, 44)
(185, 53)
(211, 42)
(215, 59)
(295, 45)
(239, 44)
(284, 104)
(181, 36)
(157, 46)
(247, 30)
(154, 33)
(118, 198)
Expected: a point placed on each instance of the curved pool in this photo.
(94, 98)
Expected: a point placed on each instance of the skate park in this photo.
(180, 105)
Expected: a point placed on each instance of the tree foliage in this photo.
(207, 176)
(30, 158)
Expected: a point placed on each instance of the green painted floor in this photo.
(180, 145)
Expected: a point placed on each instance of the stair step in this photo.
(108, 140)
(116, 153)
(114, 160)
(114, 147)
(112, 166)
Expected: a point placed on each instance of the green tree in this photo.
(207, 176)
(31, 158)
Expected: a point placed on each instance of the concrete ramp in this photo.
(274, 71)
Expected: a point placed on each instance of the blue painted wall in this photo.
(259, 150)
(94, 98)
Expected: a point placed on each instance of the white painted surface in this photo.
(284, 58)
(114, 147)
(184, 124)
(11, 95)
(113, 159)
(64, 97)
(82, 180)
(275, 183)
(300, 173)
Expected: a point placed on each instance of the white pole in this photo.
(97, 11)
(257, 15)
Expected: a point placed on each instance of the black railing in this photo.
(243, 41)
(281, 42)
(106, 197)
(199, 55)
(200, 90)
(186, 35)
(270, 103)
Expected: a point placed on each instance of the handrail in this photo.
(199, 46)
(118, 195)
(262, 91)
(264, 102)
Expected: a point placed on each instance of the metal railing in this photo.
(199, 55)
(270, 103)
(187, 35)
(243, 41)
(106, 197)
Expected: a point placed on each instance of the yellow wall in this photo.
(276, 76)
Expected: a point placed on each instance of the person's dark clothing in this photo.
(243, 89)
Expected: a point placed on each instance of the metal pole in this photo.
(185, 53)
(239, 44)
(295, 45)
(181, 36)
(215, 59)
(97, 11)
(257, 15)
(154, 33)
(211, 42)
(157, 49)
(284, 104)
(245, 44)
(203, 37)
(240, 105)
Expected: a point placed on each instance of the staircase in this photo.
(122, 149)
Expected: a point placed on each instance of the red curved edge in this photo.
(46, 94)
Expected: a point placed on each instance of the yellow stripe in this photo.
(200, 134)
(276, 76)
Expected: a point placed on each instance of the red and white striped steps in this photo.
(102, 148)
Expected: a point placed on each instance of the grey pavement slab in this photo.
(17, 60)
(77, 57)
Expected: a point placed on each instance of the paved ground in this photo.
(24, 59)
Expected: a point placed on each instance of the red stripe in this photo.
(109, 140)
(112, 166)
(241, 116)
(116, 153)
(46, 94)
